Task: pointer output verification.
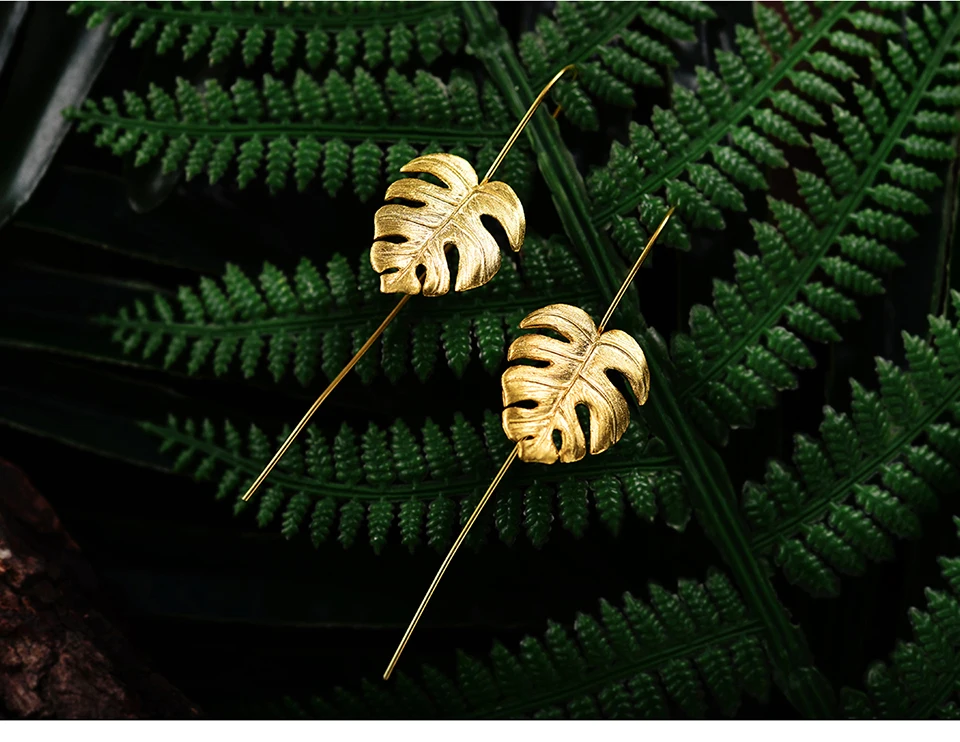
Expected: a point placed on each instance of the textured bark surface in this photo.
(60, 657)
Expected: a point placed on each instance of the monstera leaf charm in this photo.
(575, 374)
(444, 217)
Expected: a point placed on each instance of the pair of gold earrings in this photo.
(540, 401)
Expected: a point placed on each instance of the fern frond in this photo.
(616, 47)
(745, 103)
(396, 478)
(312, 320)
(343, 128)
(346, 33)
(922, 679)
(871, 473)
(741, 101)
(679, 654)
(811, 261)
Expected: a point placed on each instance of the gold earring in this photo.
(448, 216)
(575, 374)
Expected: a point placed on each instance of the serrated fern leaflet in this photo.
(370, 33)
(613, 57)
(854, 231)
(426, 483)
(699, 122)
(922, 679)
(312, 320)
(871, 474)
(680, 654)
(738, 354)
(285, 128)
(308, 127)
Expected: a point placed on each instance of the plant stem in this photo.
(324, 131)
(708, 483)
(940, 290)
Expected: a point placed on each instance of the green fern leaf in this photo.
(341, 120)
(867, 497)
(421, 475)
(284, 26)
(920, 679)
(304, 331)
(624, 665)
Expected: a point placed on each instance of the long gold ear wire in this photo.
(611, 436)
(449, 161)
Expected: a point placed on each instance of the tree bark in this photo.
(60, 656)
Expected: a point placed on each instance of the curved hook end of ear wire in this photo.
(572, 67)
(526, 118)
(636, 267)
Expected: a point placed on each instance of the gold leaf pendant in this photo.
(447, 217)
(575, 374)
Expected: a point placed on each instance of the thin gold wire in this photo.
(510, 459)
(633, 271)
(326, 393)
(526, 119)
(396, 310)
(446, 562)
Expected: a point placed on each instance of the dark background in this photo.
(233, 615)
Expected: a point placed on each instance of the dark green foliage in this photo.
(701, 120)
(397, 476)
(798, 284)
(302, 324)
(347, 128)
(316, 32)
(612, 53)
(680, 654)
(920, 680)
(873, 471)
(872, 113)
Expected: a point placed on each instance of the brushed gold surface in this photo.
(448, 217)
(575, 374)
